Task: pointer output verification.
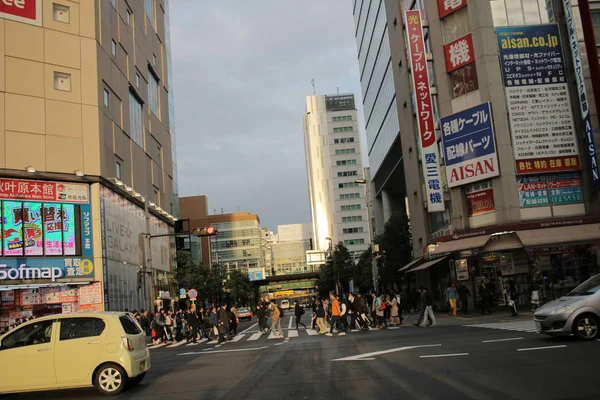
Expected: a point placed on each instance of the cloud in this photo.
(242, 70)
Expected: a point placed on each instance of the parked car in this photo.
(106, 350)
(285, 305)
(244, 313)
(577, 313)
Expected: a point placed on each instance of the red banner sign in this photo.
(481, 202)
(21, 189)
(459, 53)
(27, 11)
(551, 164)
(447, 7)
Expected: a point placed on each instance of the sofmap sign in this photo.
(424, 110)
(581, 90)
(27, 11)
(53, 269)
(537, 95)
(469, 146)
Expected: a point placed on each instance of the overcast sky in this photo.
(242, 70)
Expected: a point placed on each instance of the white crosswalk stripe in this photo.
(274, 336)
(292, 334)
(255, 336)
(516, 326)
(237, 338)
(311, 332)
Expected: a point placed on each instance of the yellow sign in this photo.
(284, 293)
(87, 267)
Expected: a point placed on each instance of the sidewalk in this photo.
(498, 315)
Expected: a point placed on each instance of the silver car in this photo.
(577, 313)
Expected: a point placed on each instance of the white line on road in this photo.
(292, 334)
(223, 351)
(244, 331)
(274, 335)
(255, 336)
(445, 355)
(213, 342)
(236, 338)
(156, 346)
(543, 348)
(180, 343)
(376, 353)
(290, 324)
(502, 340)
(311, 332)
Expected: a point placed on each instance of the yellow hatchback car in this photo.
(106, 350)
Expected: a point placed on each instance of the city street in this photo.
(499, 358)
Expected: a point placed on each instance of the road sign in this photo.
(182, 291)
(193, 293)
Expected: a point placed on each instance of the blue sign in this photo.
(182, 291)
(469, 145)
(53, 269)
(530, 55)
(255, 274)
(193, 293)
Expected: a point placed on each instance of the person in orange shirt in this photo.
(335, 315)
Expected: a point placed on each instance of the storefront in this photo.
(46, 254)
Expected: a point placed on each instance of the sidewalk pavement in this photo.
(443, 319)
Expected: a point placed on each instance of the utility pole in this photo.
(374, 268)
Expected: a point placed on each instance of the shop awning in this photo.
(411, 264)
(461, 244)
(561, 235)
(509, 241)
(427, 264)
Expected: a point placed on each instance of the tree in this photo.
(339, 267)
(239, 286)
(363, 272)
(395, 248)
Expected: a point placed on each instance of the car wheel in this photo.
(110, 379)
(586, 327)
(136, 380)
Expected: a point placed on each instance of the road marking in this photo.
(255, 336)
(377, 353)
(445, 355)
(180, 343)
(543, 348)
(502, 340)
(213, 342)
(393, 327)
(156, 346)
(244, 331)
(223, 351)
(311, 332)
(236, 338)
(292, 334)
(290, 324)
(274, 336)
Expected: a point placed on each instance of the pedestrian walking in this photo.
(193, 324)
(535, 296)
(394, 311)
(428, 316)
(223, 323)
(484, 298)
(335, 316)
(463, 295)
(233, 320)
(276, 324)
(320, 313)
(213, 323)
(298, 312)
(313, 307)
(451, 296)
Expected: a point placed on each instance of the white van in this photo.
(285, 305)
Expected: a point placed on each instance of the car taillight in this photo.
(127, 344)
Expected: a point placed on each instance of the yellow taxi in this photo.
(106, 350)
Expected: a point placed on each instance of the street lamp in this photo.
(374, 268)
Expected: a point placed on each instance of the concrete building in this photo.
(334, 162)
(455, 125)
(294, 232)
(86, 133)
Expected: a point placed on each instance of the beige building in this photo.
(84, 99)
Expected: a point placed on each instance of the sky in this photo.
(242, 70)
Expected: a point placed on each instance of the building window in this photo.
(137, 80)
(348, 196)
(345, 162)
(346, 185)
(352, 230)
(354, 242)
(61, 13)
(149, 7)
(351, 207)
(128, 17)
(106, 98)
(354, 218)
(343, 129)
(344, 140)
(464, 80)
(342, 118)
(118, 170)
(135, 120)
(152, 93)
(456, 25)
(347, 173)
(113, 48)
(345, 151)
(62, 81)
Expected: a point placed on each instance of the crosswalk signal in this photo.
(205, 231)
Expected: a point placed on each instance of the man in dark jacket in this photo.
(463, 295)
(193, 323)
(144, 322)
(223, 323)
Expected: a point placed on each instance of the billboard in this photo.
(469, 146)
(26, 11)
(549, 189)
(480, 202)
(539, 106)
(424, 110)
(256, 274)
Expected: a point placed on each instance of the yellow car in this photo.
(106, 350)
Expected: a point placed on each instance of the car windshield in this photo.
(587, 288)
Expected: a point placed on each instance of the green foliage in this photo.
(339, 266)
(395, 247)
(239, 287)
(363, 274)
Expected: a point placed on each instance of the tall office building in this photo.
(334, 162)
(85, 144)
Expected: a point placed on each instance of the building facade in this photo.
(334, 163)
(496, 132)
(84, 97)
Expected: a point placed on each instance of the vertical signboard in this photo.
(424, 110)
(581, 91)
(459, 53)
(469, 146)
(447, 7)
(539, 106)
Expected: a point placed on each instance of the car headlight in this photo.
(563, 310)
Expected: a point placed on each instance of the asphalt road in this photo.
(443, 362)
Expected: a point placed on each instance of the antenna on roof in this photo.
(338, 90)
(312, 82)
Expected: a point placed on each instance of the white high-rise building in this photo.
(334, 162)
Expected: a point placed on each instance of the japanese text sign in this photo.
(550, 189)
(424, 110)
(538, 102)
(447, 7)
(582, 92)
(27, 11)
(469, 146)
(459, 53)
(21, 189)
(481, 202)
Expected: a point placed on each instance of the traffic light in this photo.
(205, 231)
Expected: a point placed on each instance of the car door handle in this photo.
(95, 342)
(45, 349)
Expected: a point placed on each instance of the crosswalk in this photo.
(516, 326)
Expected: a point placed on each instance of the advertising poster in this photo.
(7, 298)
(31, 297)
(424, 111)
(480, 202)
(32, 220)
(12, 228)
(549, 189)
(51, 295)
(53, 231)
(539, 107)
(469, 146)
